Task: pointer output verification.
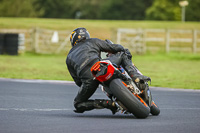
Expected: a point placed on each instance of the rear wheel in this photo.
(133, 103)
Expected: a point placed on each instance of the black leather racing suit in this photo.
(79, 61)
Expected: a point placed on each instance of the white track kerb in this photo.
(72, 82)
(37, 81)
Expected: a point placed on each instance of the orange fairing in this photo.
(97, 68)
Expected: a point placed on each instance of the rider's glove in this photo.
(128, 53)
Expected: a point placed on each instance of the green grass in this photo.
(30, 66)
(173, 70)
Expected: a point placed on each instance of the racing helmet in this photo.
(78, 35)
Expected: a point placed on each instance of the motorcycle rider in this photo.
(86, 52)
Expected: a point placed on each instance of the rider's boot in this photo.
(95, 104)
(140, 81)
(136, 76)
(132, 70)
(84, 106)
(109, 104)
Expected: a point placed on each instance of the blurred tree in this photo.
(91, 9)
(164, 10)
(17, 8)
(54, 8)
(125, 9)
(100, 9)
(86, 9)
(193, 10)
(171, 10)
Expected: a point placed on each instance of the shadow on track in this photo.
(90, 115)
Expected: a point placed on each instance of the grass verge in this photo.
(174, 70)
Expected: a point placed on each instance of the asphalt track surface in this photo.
(47, 107)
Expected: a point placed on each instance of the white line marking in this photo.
(182, 108)
(172, 89)
(29, 109)
(37, 81)
(72, 82)
(66, 109)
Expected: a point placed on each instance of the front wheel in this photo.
(154, 109)
(133, 103)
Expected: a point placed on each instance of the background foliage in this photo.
(164, 10)
(100, 9)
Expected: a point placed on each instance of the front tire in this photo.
(154, 109)
(130, 101)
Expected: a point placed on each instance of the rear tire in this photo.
(131, 102)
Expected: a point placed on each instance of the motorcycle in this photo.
(120, 88)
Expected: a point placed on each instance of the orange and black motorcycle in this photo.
(119, 87)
